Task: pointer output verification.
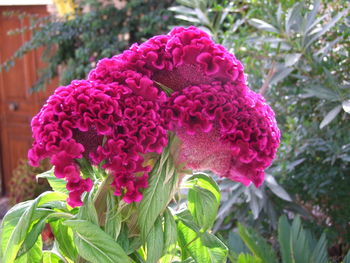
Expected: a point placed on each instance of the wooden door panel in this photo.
(17, 105)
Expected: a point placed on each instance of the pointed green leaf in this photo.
(346, 106)
(320, 255)
(170, 234)
(157, 195)
(57, 184)
(113, 221)
(94, 244)
(51, 257)
(300, 249)
(247, 258)
(256, 244)
(347, 258)
(155, 242)
(278, 190)
(262, 25)
(64, 239)
(325, 28)
(330, 116)
(206, 248)
(203, 206)
(34, 255)
(284, 239)
(204, 181)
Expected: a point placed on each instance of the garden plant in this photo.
(160, 154)
(142, 126)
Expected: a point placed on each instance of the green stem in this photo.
(100, 199)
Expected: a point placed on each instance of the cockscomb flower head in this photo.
(224, 128)
(115, 123)
(184, 57)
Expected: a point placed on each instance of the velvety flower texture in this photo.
(184, 57)
(224, 128)
(115, 123)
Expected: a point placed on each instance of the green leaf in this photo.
(94, 244)
(247, 258)
(49, 197)
(86, 168)
(217, 249)
(291, 59)
(316, 35)
(236, 244)
(113, 221)
(170, 234)
(256, 244)
(182, 10)
(187, 219)
(280, 74)
(57, 184)
(205, 249)
(87, 210)
(300, 249)
(32, 237)
(284, 239)
(311, 16)
(51, 257)
(346, 106)
(205, 181)
(26, 235)
(155, 242)
(64, 239)
(203, 206)
(157, 195)
(321, 92)
(276, 188)
(319, 254)
(293, 18)
(34, 255)
(17, 236)
(330, 116)
(347, 258)
(262, 25)
(170, 237)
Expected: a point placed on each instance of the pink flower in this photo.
(224, 128)
(223, 125)
(114, 123)
(121, 113)
(184, 57)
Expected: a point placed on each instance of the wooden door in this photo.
(17, 105)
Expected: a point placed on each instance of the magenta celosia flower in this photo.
(185, 57)
(120, 114)
(224, 128)
(113, 123)
(229, 130)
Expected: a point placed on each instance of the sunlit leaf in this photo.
(346, 106)
(291, 59)
(276, 188)
(330, 116)
(256, 244)
(57, 184)
(155, 242)
(94, 244)
(262, 25)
